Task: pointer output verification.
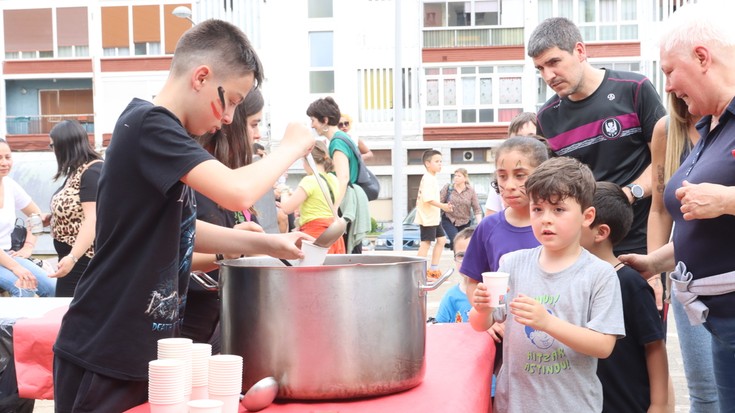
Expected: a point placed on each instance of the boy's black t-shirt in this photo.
(624, 375)
(134, 290)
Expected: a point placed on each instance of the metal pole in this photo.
(399, 180)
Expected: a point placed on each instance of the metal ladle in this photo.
(336, 229)
(261, 395)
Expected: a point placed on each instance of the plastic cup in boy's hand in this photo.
(496, 284)
(313, 254)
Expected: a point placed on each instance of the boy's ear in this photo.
(201, 73)
(588, 216)
(602, 232)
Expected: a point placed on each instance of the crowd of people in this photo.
(594, 204)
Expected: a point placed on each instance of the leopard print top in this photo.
(66, 210)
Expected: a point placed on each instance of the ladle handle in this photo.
(310, 160)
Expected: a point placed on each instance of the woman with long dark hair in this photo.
(232, 145)
(74, 204)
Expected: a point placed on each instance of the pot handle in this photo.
(203, 279)
(433, 286)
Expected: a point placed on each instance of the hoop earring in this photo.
(325, 129)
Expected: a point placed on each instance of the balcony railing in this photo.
(42, 124)
(472, 37)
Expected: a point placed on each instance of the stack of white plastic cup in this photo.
(166, 384)
(179, 349)
(225, 380)
(200, 353)
(205, 406)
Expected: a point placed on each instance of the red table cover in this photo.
(459, 364)
(33, 340)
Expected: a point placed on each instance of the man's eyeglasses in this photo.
(459, 256)
(344, 124)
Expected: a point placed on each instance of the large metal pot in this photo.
(354, 327)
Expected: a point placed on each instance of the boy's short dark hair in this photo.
(613, 209)
(218, 44)
(464, 234)
(428, 154)
(560, 178)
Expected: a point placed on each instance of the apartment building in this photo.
(460, 66)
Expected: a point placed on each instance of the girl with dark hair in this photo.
(74, 204)
(233, 146)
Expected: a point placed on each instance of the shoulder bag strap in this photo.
(331, 194)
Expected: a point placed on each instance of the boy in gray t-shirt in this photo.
(564, 303)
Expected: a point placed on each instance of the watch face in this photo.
(637, 191)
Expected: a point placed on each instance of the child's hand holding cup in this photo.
(496, 284)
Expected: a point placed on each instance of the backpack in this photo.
(366, 179)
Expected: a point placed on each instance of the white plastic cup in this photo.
(497, 285)
(36, 224)
(313, 254)
(199, 392)
(230, 403)
(179, 407)
(205, 406)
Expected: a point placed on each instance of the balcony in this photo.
(30, 133)
(42, 124)
(472, 37)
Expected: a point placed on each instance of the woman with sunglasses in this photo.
(345, 125)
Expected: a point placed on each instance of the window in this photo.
(72, 29)
(461, 13)
(28, 34)
(598, 20)
(147, 48)
(473, 94)
(320, 9)
(321, 54)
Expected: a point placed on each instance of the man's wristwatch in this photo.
(636, 190)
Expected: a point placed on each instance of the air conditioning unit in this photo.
(468, 156)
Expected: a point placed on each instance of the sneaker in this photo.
(433, 274)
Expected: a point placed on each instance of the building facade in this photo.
(460, 66)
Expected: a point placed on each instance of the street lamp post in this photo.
(183, 12)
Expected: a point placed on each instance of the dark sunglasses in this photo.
(344, 124)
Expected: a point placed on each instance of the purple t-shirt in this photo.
(493, 238)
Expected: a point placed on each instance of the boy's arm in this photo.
(238, 189)
(530, 312)
(212, 239)
(481, 316)
(658, 375)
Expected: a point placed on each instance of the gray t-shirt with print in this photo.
(539, 373)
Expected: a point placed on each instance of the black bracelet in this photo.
(219, 257)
